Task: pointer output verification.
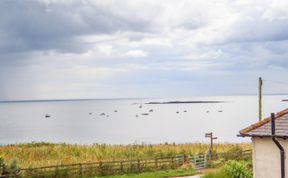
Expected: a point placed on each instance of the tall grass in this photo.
(45, 154)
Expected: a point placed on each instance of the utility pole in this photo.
(210, 135)
(260, 98)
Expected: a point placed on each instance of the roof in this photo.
(263, 127)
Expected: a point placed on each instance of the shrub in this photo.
(14, 168)
(234, 153)
(237, 169)
(11, 169)
(232, 169)
(2, 165)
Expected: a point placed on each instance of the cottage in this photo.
(270, 144)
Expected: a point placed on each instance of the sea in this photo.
(133, 121)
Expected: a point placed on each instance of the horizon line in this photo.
(89, 99)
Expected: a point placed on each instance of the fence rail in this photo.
(102, 168)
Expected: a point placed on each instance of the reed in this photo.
(45, 154)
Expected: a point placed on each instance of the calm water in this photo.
(71, 122)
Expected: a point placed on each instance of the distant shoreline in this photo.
(60, 100)
(186, 102)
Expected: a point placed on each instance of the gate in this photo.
(199, 161)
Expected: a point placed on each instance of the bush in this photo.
(2, 165)
(232, 169)
(234, 153)
(12, 169)
(237, 169)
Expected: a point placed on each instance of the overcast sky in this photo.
(141, 48)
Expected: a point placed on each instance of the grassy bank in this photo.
(157, 174)
(44, 154)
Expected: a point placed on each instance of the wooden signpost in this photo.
(210, 135)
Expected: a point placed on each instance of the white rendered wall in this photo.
(266, 158)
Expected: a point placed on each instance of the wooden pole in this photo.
(211, 142)
(260, 98)
(210, 135)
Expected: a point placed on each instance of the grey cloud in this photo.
(260, 30)
(28, 25)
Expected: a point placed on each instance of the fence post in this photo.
(80, 170)
(205, 160)
(156, 163)
(138, 165)
(121, 167)
(185, 159)
(100, 167)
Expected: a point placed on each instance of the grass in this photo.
(217, 174)
(45, 154)
(157, 174)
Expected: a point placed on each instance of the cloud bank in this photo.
(91, 48)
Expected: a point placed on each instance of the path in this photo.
(195, 176)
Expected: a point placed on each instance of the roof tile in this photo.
(263, 127)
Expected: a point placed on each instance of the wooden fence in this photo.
(102, 168)
(123, 166)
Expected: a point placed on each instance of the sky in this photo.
(67, 49)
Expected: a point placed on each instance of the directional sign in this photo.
(208, 134)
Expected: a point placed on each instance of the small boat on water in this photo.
(115, 110)
(151, 110)
(102, 114)
(177, 112)
(47, 116)
(185, 111)
(145, 114)
(141, 106)
(220, 110)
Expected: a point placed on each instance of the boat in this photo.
(145, 114)
(141, 106)
(102, 114)
(151, 110)
(47, 115)
(220, 110)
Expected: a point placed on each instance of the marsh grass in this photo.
(45, 154)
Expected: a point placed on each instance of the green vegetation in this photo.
(11, 168)
(218, 174)
(238, 169)
(157, 174)
(45, 154)
(233, 169)
(235, 153)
